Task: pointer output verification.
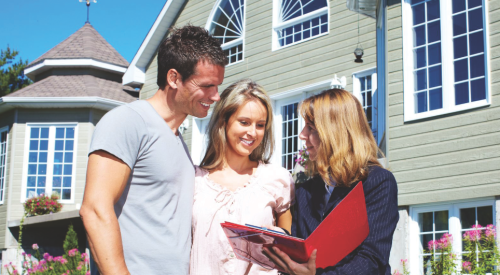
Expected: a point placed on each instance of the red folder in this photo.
(344, 229)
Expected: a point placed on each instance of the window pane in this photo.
(435, 99)
(44, 145)
(58, 157)
(441, 220)
(68, 168)
(70, 132)
(461, 93)
(425, 239)
(474, 3)
(460, 47)
(475, 19)
(461, 70)
(67, 182)
(477, 66)
(435, 53)
(476, 42)
(35, 132)
(459, 24)
(59, 145)
(478, 89)
(458, 5)
(42, 157)
(420, 59)
(42, 169)
(425, 221)
(434, 32)
(418, 14)
(59, 132)
(41, 182)
(419, 36)
(68, 157)
(57, 169)
(421, 102)
(34, 145)
(56, 182)
(485, 215)
(420, 80)
(33, 157)
(435, 76)
(31, 181)
(32, 169)
(66, 194)
(432, 10)
(69, 145)
(44, 132)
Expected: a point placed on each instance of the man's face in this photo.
(196, 93)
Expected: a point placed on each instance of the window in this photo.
(199, 138)
(227, 23)
(295, 21)
(365, 89)
(51, 160)
(3, 161)
(431, 222)
(444, 50)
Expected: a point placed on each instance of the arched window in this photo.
(299, 20)
(227, 23)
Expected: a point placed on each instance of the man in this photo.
(139, 190)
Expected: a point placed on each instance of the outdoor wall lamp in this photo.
(358, 52)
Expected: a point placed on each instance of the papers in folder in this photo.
(344, 229)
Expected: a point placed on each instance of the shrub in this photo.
(42, 205)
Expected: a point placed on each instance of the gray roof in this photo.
(78, 86)
(84, 43)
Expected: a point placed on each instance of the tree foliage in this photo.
(71, 241)
(12, 76)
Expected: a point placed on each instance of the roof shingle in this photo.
(84, 43)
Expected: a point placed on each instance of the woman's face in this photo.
(246, 127)
(310, 135)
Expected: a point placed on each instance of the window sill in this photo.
(455, 109)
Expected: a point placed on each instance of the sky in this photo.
(33, 27)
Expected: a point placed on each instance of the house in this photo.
(45, 131)
(440, 59)
(427, 84)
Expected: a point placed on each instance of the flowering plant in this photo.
(42, 205)
(442, 258)
(73, 263)
(302, 157)
(405, 268)
(483, 255)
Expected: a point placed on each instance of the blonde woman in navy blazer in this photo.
(342, 152)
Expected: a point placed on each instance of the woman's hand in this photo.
(290, 266)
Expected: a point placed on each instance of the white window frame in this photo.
(447, 68)
(287, 97)
(278, 25)
(5, 164)
(454, 226)
(199, 138)
(233, 43)
(378, 110)
(50, 159)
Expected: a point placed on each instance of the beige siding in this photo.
(6, 119)
(296, 66)
(454, 156)
(80, 116)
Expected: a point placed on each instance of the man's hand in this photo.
(290, 266)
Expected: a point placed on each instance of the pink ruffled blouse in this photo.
(269, 191)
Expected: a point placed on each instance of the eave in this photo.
(9, 103)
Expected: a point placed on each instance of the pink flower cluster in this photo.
(443, 243)
(467, 266)
(302, 157)
(491, 231)
(473, 235)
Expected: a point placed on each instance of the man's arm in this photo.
(107, 177)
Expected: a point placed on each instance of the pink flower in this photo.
(88, 273)
(35, 246)
(445, 241)
(50, 258)
(63, 261)
(72, 252)
(404, 261)
(467, 266)
(79, 267)
(491, 231)
(473, 235)
(396, 272)
(432, 245)
(46, 255)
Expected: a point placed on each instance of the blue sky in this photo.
(35, 26)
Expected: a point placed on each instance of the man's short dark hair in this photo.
(183, 49)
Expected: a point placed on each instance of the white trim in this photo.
(324, 84)
(448, 90)
(278, 25)
(135, 74)
(5, 129)
(72, 63)
(378, 107)
(50, 158)
(8, 103)
(454, 225)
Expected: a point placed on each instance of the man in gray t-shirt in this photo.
(139, 191)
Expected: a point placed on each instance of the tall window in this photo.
(288, 127)
(227, 23)
(3, 161)
(445, 68)
(51, 160)
(365, 89)
(431, 222)
(299, 20)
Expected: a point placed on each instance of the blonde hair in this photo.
(347, 146)
(231, 99)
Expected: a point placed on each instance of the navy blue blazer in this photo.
(381, 195)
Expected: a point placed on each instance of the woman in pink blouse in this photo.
(235, 181)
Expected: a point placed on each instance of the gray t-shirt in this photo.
(154, 211)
